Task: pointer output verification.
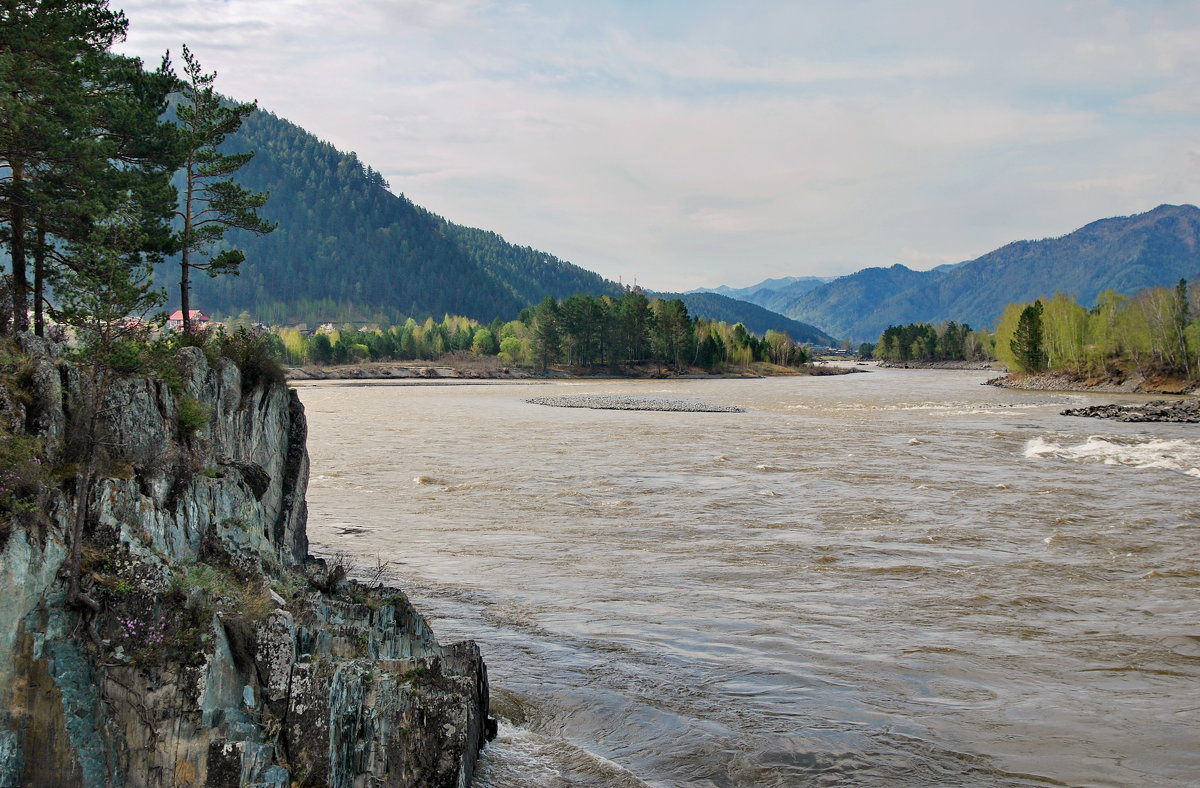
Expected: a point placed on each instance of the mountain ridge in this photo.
(1123, 253)
(756, 319)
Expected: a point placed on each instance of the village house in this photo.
(198, 319)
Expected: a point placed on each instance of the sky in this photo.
(693, 143)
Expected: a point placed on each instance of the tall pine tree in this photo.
(212, 201)
(80, 133)
(1027, 342)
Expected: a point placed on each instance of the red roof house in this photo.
(198, 319)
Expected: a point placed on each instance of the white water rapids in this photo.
(893, 578)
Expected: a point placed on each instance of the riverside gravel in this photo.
(611, 402)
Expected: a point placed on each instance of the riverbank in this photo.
(1065, 381)
(491, 369)
(969, 365)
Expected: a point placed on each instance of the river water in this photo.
(895, 578)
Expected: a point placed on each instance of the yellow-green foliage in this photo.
(1006, 329)
(515, 351)
(1155, 331)
(295, 346)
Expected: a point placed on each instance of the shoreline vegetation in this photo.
(467, 368)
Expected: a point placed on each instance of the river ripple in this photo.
(901, 577)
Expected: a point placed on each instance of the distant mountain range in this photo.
(1125, 254)
(761, 292)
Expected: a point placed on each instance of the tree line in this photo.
(950, 341)
(1154, 331)
(582, 331)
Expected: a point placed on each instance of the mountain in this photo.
(346, 248)
(713, 306)
(839, 306)
(1125, 254)
(765, 290)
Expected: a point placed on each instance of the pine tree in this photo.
(1027, 344)
(212, 202)
(66, 105)
(546, 335)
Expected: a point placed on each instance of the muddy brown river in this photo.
(894, 578)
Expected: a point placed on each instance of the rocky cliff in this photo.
(212, 650)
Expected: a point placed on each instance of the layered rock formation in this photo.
(212, 651)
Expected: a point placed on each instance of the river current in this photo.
(894, 578)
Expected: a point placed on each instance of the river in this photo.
(895, 578)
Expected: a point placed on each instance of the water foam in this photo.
(520, 758)
(1178, 455)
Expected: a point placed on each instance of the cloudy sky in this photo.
(689, 143)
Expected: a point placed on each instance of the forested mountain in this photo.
(762, 292)
(1125, 254)
(713, 306)
(348, 249)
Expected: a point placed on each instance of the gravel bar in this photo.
(612, 402)
(1182, 411)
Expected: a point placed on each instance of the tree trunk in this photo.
(185, 253)
(39, 283)
(83, 491)
(183, 295)
(20, 285)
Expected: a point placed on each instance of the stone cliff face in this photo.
(221, 653)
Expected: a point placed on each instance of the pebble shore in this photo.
(615, 402)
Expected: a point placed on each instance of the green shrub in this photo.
(192, 416)
(256, 355)
(22, 473)
(125, 357)
(159, 360)
(212, 583)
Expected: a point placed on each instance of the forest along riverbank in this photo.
(490, 369)
(897, 578)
